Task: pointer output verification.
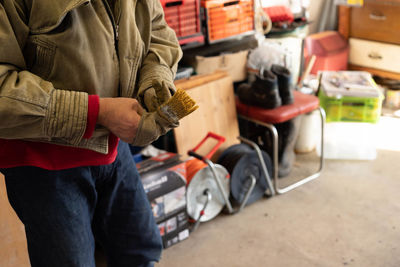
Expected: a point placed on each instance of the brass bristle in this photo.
(181, 104)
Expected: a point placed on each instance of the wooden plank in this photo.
(197, 80)
(216, 113)
(13, 248)
(344, 21)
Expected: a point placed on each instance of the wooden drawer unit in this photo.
(374, 33)
(376, 20)
(376, 55)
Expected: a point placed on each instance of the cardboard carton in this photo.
(164, 181)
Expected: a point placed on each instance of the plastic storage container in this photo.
(227, 18)
(331, 51)
(309, 132)
(346, 101)
(351, 108)
(279, 13)
(350, 141)
(183, 16)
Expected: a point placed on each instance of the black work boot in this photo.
(263, 92)
(284, 83)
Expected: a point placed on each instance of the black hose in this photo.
(240, 161)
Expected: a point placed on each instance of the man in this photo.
(74, 75)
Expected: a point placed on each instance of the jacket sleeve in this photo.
(30, 107)
(161, 62)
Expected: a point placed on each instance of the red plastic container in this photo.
(279, 13)
(226, 18)
(183, 16)
(330, 48)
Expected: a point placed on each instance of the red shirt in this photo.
(15, 153)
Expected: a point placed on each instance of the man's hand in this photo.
(121, 116)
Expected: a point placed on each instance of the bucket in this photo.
(309, 132)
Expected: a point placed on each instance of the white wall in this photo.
(315, 10)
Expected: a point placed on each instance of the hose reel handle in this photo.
(197, 156)
(218, 138)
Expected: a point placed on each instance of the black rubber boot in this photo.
(288, 132)
(284, 83)
(287, 135)
(263, 92)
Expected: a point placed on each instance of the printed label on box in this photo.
(183, 235)
(171, 225)
(161, 227)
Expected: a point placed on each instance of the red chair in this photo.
(268, 117)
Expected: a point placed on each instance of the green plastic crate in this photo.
(348, 108)
(350, 96)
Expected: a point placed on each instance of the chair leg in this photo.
(275, 159)
(312, 176)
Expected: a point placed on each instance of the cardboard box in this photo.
(164, 181)
(233, 63)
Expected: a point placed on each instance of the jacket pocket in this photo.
(40, 54)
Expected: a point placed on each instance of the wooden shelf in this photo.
(382, 73)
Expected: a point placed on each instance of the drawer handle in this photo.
(374, 56)
(377, 16)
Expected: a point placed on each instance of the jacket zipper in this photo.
(118, 6)
(115, 25)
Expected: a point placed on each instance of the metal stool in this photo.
(268, 117)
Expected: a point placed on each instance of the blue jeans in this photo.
(64, 212)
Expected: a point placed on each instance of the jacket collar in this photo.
(46, 15)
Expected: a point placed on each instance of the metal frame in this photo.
(208, 199)
(261, 159)
(251, 177)
(223, 192)
(208, 194)
(275, 159)
(220, 187)
(273, 186)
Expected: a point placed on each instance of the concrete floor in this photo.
(350, 216)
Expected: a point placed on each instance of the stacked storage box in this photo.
(352, 102)
(227, 18)
(183, 16)
(164, 181)
(350, 96)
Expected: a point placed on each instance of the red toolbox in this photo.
(183, 16)
(227, 18)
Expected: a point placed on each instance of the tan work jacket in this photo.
(53, 53)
